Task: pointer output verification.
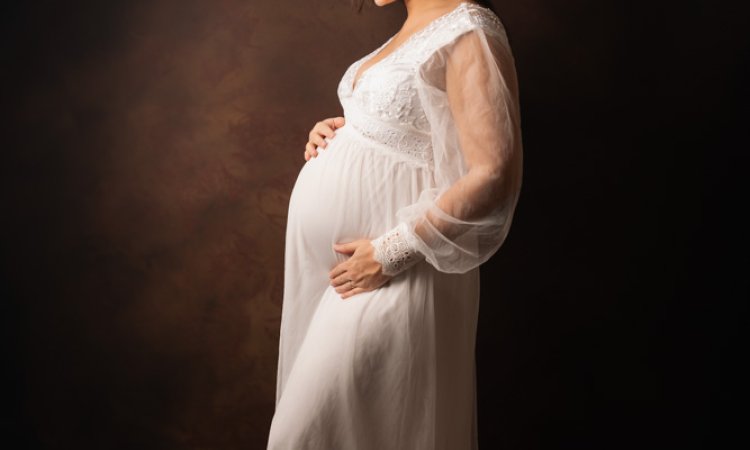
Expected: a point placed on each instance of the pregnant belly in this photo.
(349, 191)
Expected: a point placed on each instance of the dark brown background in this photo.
(150, 148)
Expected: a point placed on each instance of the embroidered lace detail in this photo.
(392, 97)
(385, 105)
(404, 142)
(423, 42)
(413, 143)
(394, 251)
(416, 42)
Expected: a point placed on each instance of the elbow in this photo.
(489, 175)
(493, 187)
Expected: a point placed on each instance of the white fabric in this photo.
(431, 147)
(395, 250)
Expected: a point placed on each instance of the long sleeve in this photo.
(469, 91)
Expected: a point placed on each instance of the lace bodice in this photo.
(384, 105)
(401, 102)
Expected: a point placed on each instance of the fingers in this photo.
(354, 291)
(324, 128)
(343, 281)
(329, 124)
(335, 122)
(316, 139)
(337, 271)
(317, 136)
(310, 151)
(344, 286)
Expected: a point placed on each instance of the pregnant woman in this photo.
(399, 203)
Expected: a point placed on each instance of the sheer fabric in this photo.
(469, 93)
(427, 165)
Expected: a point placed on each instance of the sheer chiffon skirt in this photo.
(386, 369)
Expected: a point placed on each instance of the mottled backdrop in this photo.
(149, 149)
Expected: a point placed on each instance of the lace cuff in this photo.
(394, 250)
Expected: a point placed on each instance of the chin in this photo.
(383, 2)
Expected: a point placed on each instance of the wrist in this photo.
(395, 250)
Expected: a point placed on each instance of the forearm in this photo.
(470, 198)
(473, 196)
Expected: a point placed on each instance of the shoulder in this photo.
(478, 17)
(467, 21)
(465, 18)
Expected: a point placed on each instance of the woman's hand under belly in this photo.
(360, 273)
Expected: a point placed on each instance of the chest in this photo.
(386, 90)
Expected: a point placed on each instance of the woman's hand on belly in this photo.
(360, 273)
(323, 129)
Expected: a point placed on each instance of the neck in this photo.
(416, 9)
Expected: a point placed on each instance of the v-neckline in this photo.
(356, 80)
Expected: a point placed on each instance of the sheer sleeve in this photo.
(469, 91)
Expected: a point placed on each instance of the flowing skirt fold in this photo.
(386, 369)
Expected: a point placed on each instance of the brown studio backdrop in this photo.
(150, 156)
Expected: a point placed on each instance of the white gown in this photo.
(428, 165)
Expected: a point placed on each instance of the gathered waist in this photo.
(355, 140)
(411, 144)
